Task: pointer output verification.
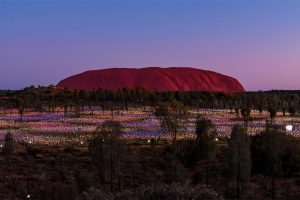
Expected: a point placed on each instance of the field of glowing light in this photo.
(55, 128)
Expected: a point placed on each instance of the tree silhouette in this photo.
(245, 112)
(206, 135)
(9, 144)
(240, 156)
(105, 149)
(173, 118)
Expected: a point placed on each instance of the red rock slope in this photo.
(153, 78)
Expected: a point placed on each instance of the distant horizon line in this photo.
(247, 91)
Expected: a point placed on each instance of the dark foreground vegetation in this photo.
(263, 166)
(242, 167)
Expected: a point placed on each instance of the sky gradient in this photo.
(255, 41)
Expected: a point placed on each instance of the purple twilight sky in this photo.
(256, 41)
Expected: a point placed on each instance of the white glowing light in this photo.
(149, 141)
(28, 196)
(289, 128)
(217, 139)
(30, 142)
(81, 142)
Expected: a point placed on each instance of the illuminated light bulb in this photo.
(28, 196)
(149, 141)
(217, 139)
(81, 142)
(289, 128)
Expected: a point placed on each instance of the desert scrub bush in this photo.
(85, 180)
(56, 190)
(9, 144)
(160, 192)
(70, 149)
(33, 151)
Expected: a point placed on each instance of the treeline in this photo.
(47, 99)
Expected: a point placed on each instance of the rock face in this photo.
(154, 79)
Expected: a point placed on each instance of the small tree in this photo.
(240, 156)
(237, 109)
(97, 153)
(268, 149)
(260, 109)
(20, 107)
(173, 118)
(206, 135)
(9, 144)
(105, 150)
(245, 112)
(272, 113)
(292, 110)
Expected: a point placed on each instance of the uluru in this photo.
(154, 79)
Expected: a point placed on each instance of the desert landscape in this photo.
(149, 100)
(50, 146)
